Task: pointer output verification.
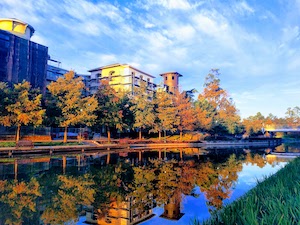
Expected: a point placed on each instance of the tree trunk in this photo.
(65, 134)
(180, 135)
(140, 134)
(165, 134)
(159, 135)
(18, 133)
(108, 134)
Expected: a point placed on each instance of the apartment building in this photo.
(121, 77)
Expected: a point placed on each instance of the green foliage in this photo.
(4, 101)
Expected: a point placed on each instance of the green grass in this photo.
(4, 144)
(273, 201)
(60, 143)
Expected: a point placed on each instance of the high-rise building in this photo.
(20, 58)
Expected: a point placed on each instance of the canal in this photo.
(160, 186)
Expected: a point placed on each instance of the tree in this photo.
(229, 115)
(142, 108)
(293, 116)
(221, 109)
(254, 124)
(75, 109)
(4, 100)
(165, 111)
(24, 108)
(185, 113)
(109, 111)
(204, 113)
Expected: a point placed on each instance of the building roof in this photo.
(118, 64)
(171, 72)
(18, 21)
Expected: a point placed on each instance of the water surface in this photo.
(166, 186)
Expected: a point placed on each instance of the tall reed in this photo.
(276, 200)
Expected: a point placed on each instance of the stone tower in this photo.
(171, 81)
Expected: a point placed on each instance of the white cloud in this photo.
(169, 4)
(243, 8)
(188, 36)
(39, 39)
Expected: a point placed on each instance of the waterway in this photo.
(161, 186)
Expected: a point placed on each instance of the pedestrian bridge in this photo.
(281, 129)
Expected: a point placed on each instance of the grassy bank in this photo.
(4, 144)
(273, 201)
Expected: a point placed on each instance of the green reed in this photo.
(276, 200)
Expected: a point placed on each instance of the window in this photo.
(111, 73)
(172, 77)
(166, 78)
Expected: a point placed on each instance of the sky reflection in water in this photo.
(196, 207)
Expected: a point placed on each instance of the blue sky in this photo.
(254, 43)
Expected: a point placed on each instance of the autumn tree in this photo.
(185, 113)
(110, 108)
(142, 108)
(75, 109)
(165, 112)
(24, 107)
(219, 106)
(254, 124)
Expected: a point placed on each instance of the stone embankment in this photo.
(88, 146)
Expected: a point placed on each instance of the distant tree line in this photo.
(64, 105)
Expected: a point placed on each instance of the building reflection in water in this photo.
(123, 213)
(172, 209)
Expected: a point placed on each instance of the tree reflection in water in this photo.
(18, 201)
(70, 193)
(52, 198)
